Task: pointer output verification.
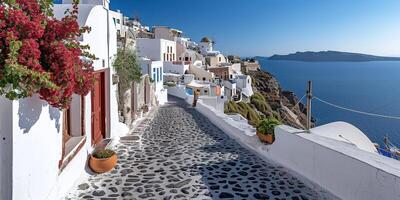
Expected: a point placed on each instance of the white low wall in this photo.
(216, 102)
(177, 91)
(6, 139)
(162, 96)
(340, 168)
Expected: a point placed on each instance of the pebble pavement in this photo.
(182, 155)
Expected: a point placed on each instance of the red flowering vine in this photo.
(41, 54)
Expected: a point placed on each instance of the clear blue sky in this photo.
(266, 27)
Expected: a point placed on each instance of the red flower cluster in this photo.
(41, 54)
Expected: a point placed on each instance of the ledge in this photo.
(72, 147)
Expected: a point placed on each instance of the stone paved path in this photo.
(183, 156)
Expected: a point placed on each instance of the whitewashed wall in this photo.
(116, 128)
(6, 122)
(149, 48)
(201, 73)
(215, 102)
(162, 96)
(169, 67)
(36, 148)
(177, 91)
(346, 171)
(37, 127)
(154, 49)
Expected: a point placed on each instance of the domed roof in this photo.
(345, 132)
(206, 40)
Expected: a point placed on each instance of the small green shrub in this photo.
(258, 100)
(244, 109)
(267, 125)
(170, 84)
(127, 66)
(231, 107)
(103, 153)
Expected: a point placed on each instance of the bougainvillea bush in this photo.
(41, 54)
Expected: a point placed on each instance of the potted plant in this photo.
(145, 108)
(102, 160)
(265, 129)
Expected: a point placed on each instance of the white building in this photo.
(166, 33)
(230, 89)
(155, 70)
(201, 73)
(176, 67)
(243, 83)
(119, 22)
(43, 149)
(156, 49)
(215, 58)
(188, 56)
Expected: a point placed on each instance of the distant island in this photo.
(331, 56)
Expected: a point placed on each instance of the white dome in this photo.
(345, 132)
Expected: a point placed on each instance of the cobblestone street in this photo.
(182, 155)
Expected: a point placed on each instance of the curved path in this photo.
(182, 155)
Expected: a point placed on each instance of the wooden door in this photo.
(98, 109)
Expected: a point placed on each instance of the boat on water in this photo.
(389, 150)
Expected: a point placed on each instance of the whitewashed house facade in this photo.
(243, 83)
(155, 69)
(156, 49)
(44, 150)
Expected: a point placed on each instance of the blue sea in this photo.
(366, 86)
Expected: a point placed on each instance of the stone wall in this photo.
(134, 100)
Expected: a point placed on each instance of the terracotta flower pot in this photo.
(267, 138)
(102, 165)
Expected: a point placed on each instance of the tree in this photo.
(41, 54)
(128, 69)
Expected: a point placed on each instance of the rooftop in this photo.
(206, 40)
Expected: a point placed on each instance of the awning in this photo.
(197, 85)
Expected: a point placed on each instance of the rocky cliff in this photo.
(281, 102)
(270, 99)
